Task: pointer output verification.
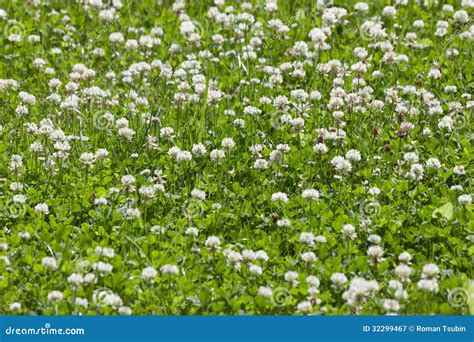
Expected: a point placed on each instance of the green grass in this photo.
(422, 216)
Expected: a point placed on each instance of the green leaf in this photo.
(445, 211)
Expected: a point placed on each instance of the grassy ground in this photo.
(237, 158)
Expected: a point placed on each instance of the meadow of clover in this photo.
(228, 157)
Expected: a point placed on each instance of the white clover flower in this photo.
(416, 172)
(310, 194)
(16, 162)
(198, 194)
(233, 258)
(304, 307)
(132, 213)
(15, 186)
(261, 164)
(374, 191)
(397, 288)
(184, 156)
(391, 305)
(430, 285)
(124, 310)
(429, 271)
(192, 231)
(433, 163)
(279, 197)
(315, 95)
(353, 156)
(128, 182)
(248, 255)
(147, 191)
(434, 74)
(446, 123)
(102, 267)
(276, 156)
(113, 300)
(461, 17)
(338, 279)
(359, 290)
(283, 148)
(166, 133)
(320, 148)
(213, 243)
(411, 157)
(83, 302)
(341, 165)
(375, 253)
(265, 291)
(313, 281)
(374, 238)
(126, 133)
(447, 8)
(308, 257)
(49, 262)
(169, 269)
(292, 277)
(465, 199)
(405, 257)
(5, 259)
(100, 201)
(307, 238)
(158, 229)
(459, 170)
(24, 235)
(87, 159)
(228, 143)
(116, 37)
(348, 232)
(27, 98)
(261, 255)
(403, 272)
(90, 278)
(75, 279)
(55, 296)
(317, 35)
(198, 150)
(105, 251)
(283, 223)
(15, 306)
(42, 208)
(217, 154)
(149, 273)
(255, 270)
